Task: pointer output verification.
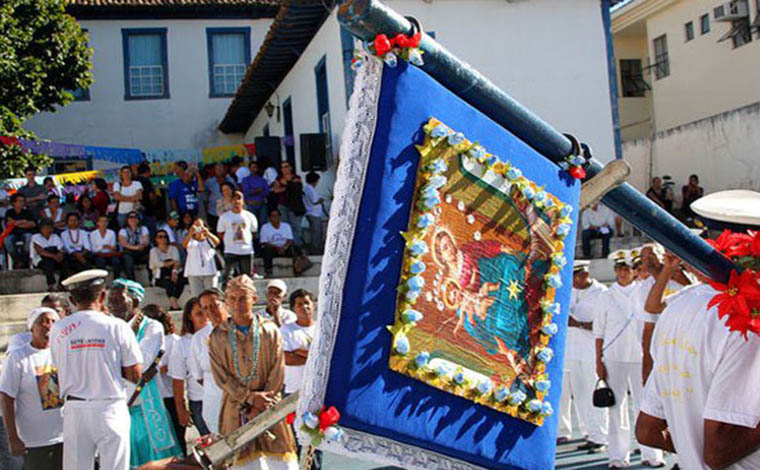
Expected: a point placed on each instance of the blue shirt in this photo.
(251, 183)
(185, 194)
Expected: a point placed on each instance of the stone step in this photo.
(14, 308)
(28, 281)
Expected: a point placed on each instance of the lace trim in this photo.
(358, 134)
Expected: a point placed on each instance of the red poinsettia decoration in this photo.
(733, 245)
(382, 45)
(739, 299)
(328, 418)
(578, 172)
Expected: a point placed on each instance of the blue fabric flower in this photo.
(422, 359)
(501, 394)
(438, 166)
(357, 64)
(492, 160)
(437, 181)
(411, 316)
(514, 173)
(442, 370)
(418, 248)
(564, 165)
(440, 131)
(517, 397)
(543, 385)
(554, 280)
(425, 221)
(541, 196)
(456, 139)
(546, 354)
(559, 260)
(412, 295)
(415, 283)
(402, 344)
(333, 434)
(549, 202)
(428, 191)
(566, 210)
(459, 378)
(528, 192)
(546, 409)
(477, 152)
(550, 307)
(551, 329)
(484, 387)
(563, 229)
(417, 267)
(577, 160)
(390, 59)
(415, 57)
(534, 406)
(430, 203)
(310, 420)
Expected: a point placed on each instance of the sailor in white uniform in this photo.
(618, 359)
(701, 400)
(580, 358)
(93, 353)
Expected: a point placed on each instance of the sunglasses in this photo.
(161, 236)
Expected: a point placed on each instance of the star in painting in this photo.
(514, 289)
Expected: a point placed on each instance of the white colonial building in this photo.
(554, 57)
(164, 70)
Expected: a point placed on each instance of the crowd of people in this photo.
(132, 382)
(205, 221)
(662, 193)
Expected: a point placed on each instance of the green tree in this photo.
(43, 56)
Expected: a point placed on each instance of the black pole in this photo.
(367, 18)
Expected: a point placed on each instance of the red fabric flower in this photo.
(382, 45)
(328, 417)
(746, 323)
(290, 419)
(736, 296)
(415, 40)
(401, 41)
(733, 245)
(754, 245)
(578, 172)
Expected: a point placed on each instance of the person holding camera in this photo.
(200, 268)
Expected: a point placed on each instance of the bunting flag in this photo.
(226, 153)
(77, 177)
(162, 160)
(115, 155)
(53, 149)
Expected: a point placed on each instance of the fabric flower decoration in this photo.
(477, 152)
(514, 173)
(551, 329)
(328, 418)
(546, 354)
(550, 307)
(310, 420)
(546, 409)
(415, 283)
(554, 280)
(401, 344)
(534, 406)
(415, 40)
(415, 57)
(417, 267)
(491, 160)
(559, 260)
(484, 387)
(460, 378)
(400, 40)
(412, 295)
(517, 397)
(563, 230)
(566, 210)
(428, 191)
(382, 45)
(440, 131)
(422, 359)
(442, 370)
(541, 196)
(390, 60)
(438, 166)
(543, 385)
(437, 181)
(501, 394)
(456, 139)
(411, 316)
(333, 434)
(425, 221)
(418, 248)
(528, 192)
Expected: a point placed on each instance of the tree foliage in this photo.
(43, 56)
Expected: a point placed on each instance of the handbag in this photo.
(604, 397)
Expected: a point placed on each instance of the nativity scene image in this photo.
(481, 266)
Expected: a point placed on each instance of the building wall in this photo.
(549, 55)
(635, 112)
(706, 77)
(188, 119)
(723, 150)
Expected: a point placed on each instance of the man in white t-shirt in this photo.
(30, 399)
(580, 377)
(597, 222)
(94, 353)
(701, 399)
(275, 294)
(128, 193)
(237, 228)
(277, 240)
(47, 253)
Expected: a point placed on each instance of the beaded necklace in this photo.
(254, 355)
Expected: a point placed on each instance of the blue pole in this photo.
(367, 18)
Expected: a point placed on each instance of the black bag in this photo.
(603, 395)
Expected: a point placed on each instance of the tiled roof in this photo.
(291, 32)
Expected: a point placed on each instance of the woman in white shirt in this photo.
(30, 397)
(47, 253)
(193, 320)
(128, 194)
(134, 240)
(76, 242)
(165, 265)
(54, 212)
(171, 343)
(200, 267)
(105, 248)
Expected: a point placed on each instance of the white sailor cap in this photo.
(738, 208)
(621, 257)
(88, 278)
(278, 284)
(581, 265)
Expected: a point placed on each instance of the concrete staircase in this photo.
(23, 290)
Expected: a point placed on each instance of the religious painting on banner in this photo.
(482, 260)
(444, 289)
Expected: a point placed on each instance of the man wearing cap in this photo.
(30, 399)
(213, 305)
(152, 436)
(701, 399)
(248, 363)
(276, 292)
(618, 360)
(586, 297)
(93, 352)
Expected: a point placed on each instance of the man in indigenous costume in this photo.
(151, 436)
(248, 363)
(701, 399)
